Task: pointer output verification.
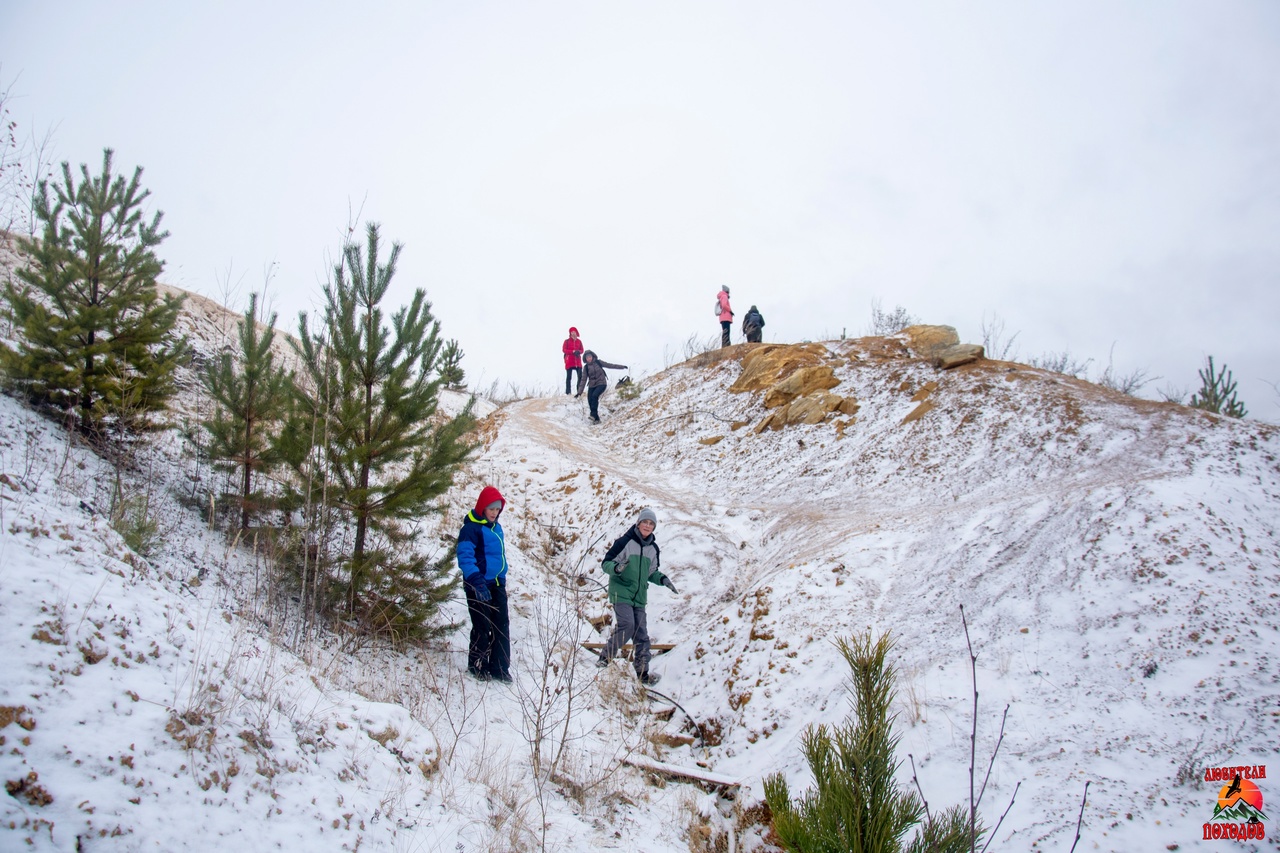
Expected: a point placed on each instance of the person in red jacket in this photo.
(572, 357)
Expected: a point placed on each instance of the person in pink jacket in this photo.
(725, 313)
(572, 357)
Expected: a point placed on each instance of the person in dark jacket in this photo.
(753, 325)
(595, 380)
(482, 558)
(632, 563)
(572, 349)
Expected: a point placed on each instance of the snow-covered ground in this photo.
(1117, 561)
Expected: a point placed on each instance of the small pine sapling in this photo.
(858, 803)
(451, 374)
(97, 337)
(1217, 393)
(251, 393)
(386, 456)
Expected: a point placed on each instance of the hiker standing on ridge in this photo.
(725, 313)
(595, 380)
(632, 564)
(753, 325)
(482, 558)
(572, 349)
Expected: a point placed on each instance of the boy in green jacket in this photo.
(632, 564)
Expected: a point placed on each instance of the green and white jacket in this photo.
(632, 564)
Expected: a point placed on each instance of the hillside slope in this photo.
(1117, 561)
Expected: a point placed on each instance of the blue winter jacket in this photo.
(482, 549)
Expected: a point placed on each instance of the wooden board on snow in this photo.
(697, 774)
(658, 648)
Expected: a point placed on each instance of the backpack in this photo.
(717, 309)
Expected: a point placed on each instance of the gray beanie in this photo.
(647, 514)
(725, 288)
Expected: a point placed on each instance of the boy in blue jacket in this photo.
(482, 558)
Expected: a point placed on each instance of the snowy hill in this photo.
(1117, 561)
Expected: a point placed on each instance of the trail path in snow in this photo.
(534, 420)
(780, 528)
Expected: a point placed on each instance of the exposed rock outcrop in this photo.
(927, 341)
(954, 356)
(764, 366)
(803, 383)
(796, 381)
(810, 409)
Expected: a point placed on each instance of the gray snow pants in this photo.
(629, 625)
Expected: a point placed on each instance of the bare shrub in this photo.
(891, 322)
(695, 346)
(1191, 765)
(994, 342)
(1195, 757)
(1126, 383)
(549, 696)
(1062, 362)
(24, 163)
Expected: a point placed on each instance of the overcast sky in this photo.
(1090, 174)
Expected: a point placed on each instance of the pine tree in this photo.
(251, 393)
(97, 338)
(387, 456)
(858, 804)
(1217, 393)
(451, 365)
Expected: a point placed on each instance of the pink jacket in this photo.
(725, 312)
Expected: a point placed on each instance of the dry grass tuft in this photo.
(10, 714)
(385, 736)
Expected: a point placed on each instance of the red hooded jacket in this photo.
(572, 350)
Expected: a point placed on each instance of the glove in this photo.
(479, 588)
(669, 585)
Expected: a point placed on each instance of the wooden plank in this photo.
(626, 650)
(697, 774)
